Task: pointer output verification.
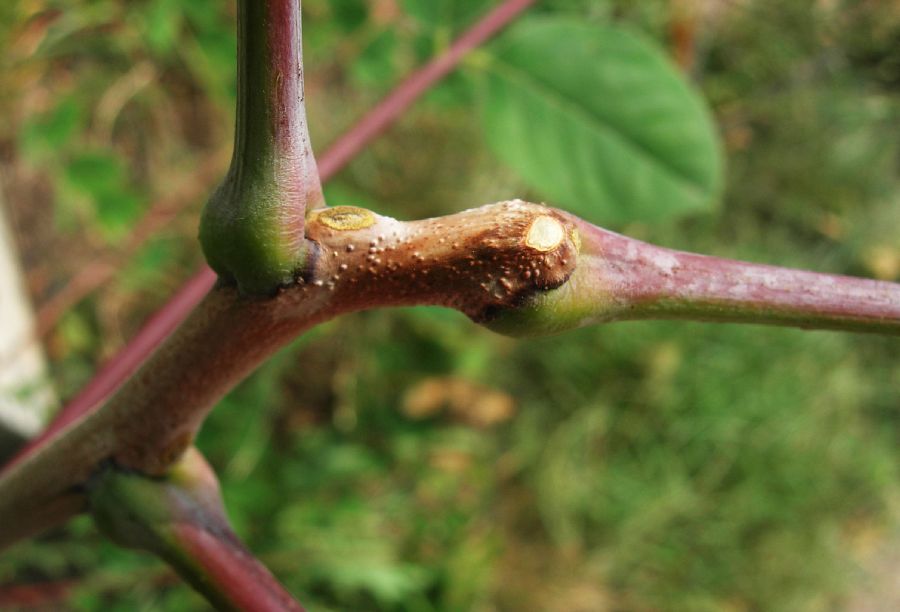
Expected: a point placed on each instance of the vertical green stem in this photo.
(252, 229)
(271, 115)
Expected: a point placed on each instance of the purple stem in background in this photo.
(339, 154)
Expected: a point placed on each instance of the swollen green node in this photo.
(542, 314)
(140, 511)
(584, 299)
(244, 239)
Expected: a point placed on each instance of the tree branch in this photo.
(479, 261)
(338, 155)
(252, 227)
(520, 268)
(620, 278)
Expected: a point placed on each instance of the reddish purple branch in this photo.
(650, 282)
(338, 155)
(221, 567)
(289, 124)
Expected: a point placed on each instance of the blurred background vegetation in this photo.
(408, 460)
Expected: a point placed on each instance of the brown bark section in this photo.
(333, 160)
(479, 261)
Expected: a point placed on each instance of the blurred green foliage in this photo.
(641, 466)
(599, 121)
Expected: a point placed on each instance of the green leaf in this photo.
(598, 121)
(103, 179)
(376, 64)
(148, 267)
(46, 134)
(349, 14)
(95, 172)
(340, 193)
(117, 209)
(161, 25)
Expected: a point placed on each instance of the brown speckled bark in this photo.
(479, 261)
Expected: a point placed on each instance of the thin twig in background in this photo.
(104, 268)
